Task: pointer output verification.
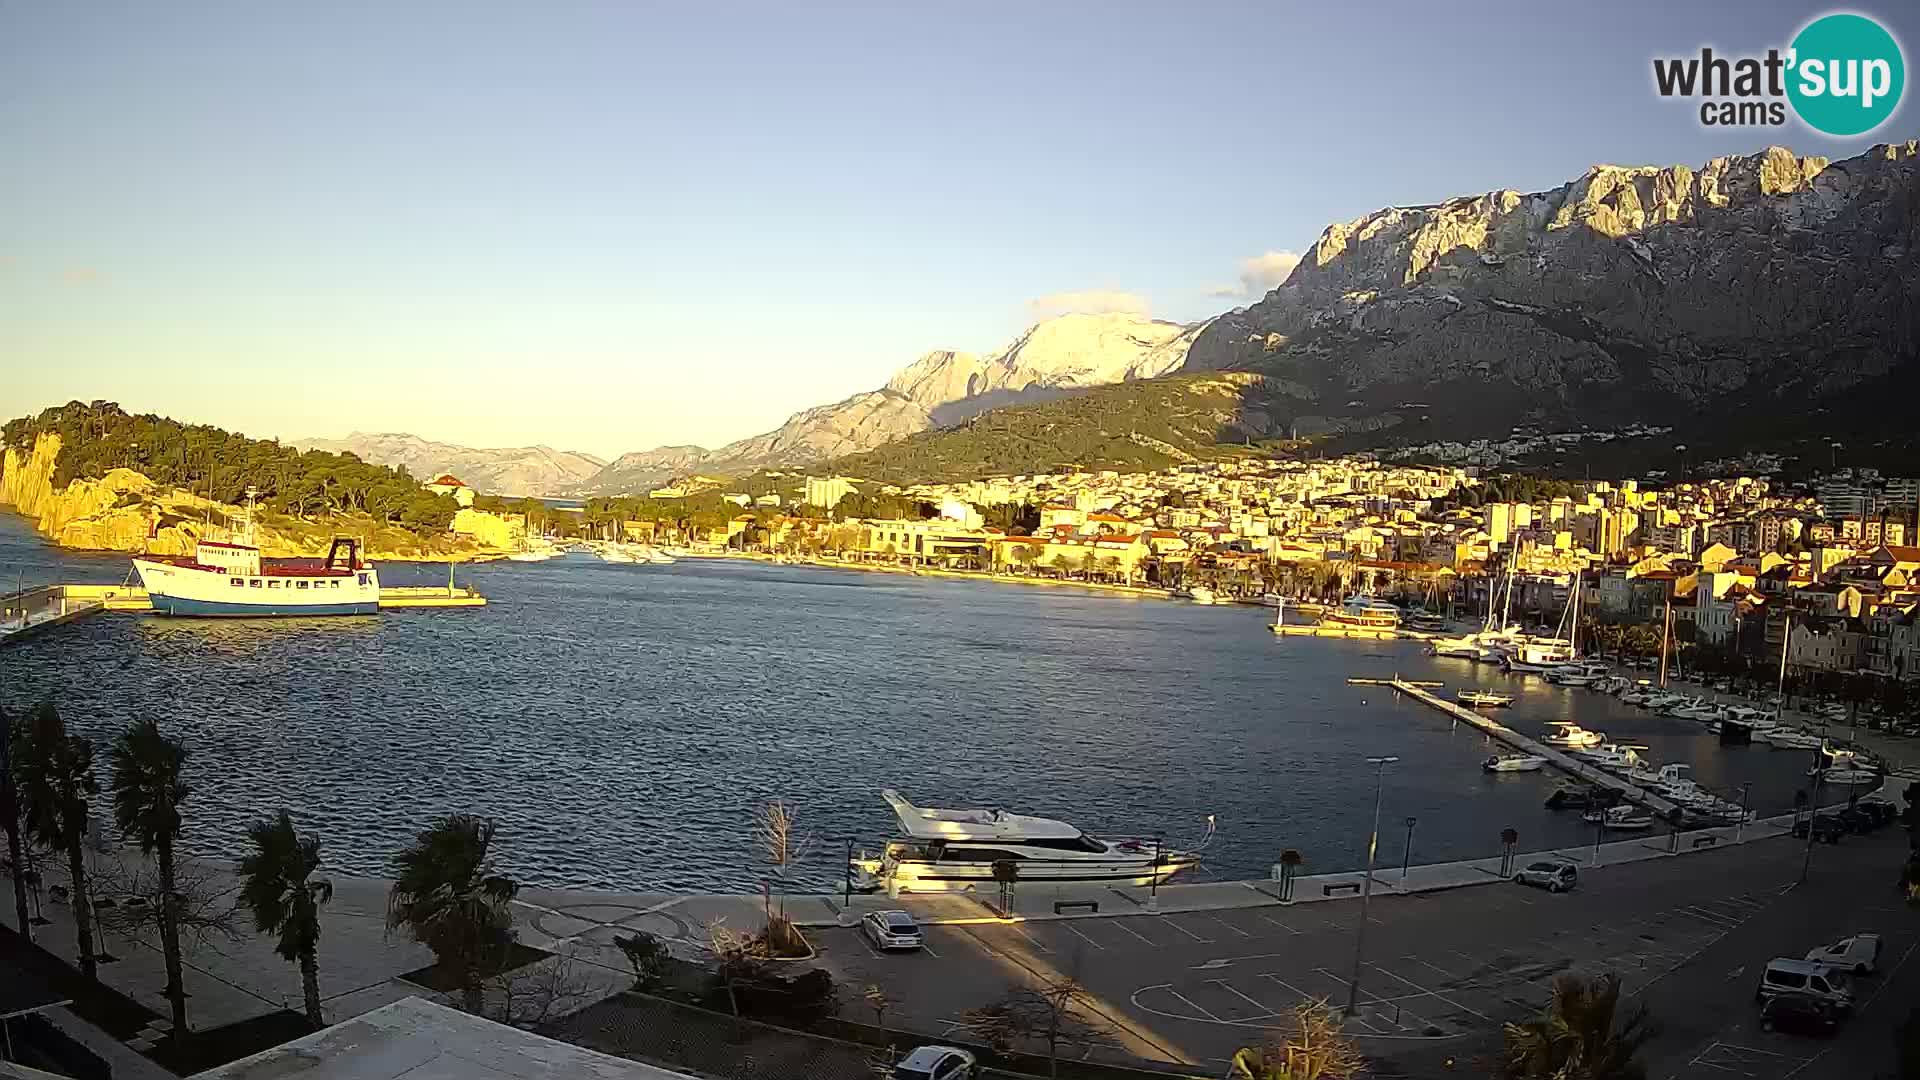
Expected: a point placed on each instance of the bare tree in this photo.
(782, 845)
(204, 901)
(735, 954)
(1055, 1012)
(1317, 1049)
(540, 992)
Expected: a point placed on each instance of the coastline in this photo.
(1149, 592)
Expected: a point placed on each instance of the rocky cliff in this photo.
(1722, 299)
(126, 511)
(1054, 357)
(521, 470)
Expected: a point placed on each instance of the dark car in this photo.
(1826, 828)
(1799, 1014)
(1856, 820)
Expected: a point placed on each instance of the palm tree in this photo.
(277, 885)
(1576, 1038)
(448, 897)
(147, 793)
(53, 772)
(10, 820)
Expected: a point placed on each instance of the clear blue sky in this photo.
(610, 226)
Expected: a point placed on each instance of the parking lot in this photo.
(1441, 971)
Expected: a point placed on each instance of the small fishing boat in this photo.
(1484, 699)
(1570, 798)
(1513, 763)
(1570, 734)
(1623, 818)
(1790, 739)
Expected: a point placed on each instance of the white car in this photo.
(891, 930)
(1553, 875)
(1859, 954)
(937, 1063)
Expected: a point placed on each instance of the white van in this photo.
(1788, 976)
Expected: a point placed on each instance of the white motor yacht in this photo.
(1616, 756)
(1572, 735)
(954, 850)
(1623, 818)
(1514, 763)
(1790, 739)
(1484, 699)
(1846, 768)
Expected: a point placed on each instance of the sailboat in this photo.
(1539, 655)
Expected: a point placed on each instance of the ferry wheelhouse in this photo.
(233, 580)
(954, 850)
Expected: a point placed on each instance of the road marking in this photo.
(1193, 1005)
(1435, 994)
(1169, 921)
(1121, 924)
(1015, 927)
(1266, 1012)
(928, 948)
(1076, 933)
(1279, 924)
(1368, 997)
(1435, 967)
(1228, 961)
(1710, 918)
(1228, 925)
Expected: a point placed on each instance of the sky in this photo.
(612, 226)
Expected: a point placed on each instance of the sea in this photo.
(623, 724)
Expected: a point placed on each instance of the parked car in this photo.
(891, 930)
(1553, 875)
(1855, 820)
(1883, 809)
(937, 1063)
(1801, 1014)
(1826, 828)
(1859, 954)
(1785, 975)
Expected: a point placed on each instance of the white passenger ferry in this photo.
(953, 850)
(233, 580)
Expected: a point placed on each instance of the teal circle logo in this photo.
(1847, 74)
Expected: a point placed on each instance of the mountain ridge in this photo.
(522, 470)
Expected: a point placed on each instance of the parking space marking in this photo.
(1075, 931)
(1267, 1012)
(1279, 924)
(1015, 927)
(1431, 993)
(1228, 925)
(1121, 924)
(1169, 921)
(1194, 1006)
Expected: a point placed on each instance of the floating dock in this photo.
(1366, 633)
(29, 611)
(1565, 762)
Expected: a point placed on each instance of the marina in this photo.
(588, 705)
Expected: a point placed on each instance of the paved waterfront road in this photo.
(1444, 970)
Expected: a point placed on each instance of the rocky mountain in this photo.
(1718, 298)
(523, 470)
(1055, 357)
(1768, 301)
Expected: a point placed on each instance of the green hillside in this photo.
(1135, 426)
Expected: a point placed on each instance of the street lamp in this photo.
(1366, 885)
(1406, 855)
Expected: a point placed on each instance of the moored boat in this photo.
(233, 580)
(954, 850)
(1484, 699)
(1514, 763)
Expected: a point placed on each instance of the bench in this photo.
(1329, 890)
(1703, 841)
(1060, 906)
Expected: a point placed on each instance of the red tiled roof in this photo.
(448, 480)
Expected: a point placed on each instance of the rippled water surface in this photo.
(622, 722)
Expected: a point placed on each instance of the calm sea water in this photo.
(623, 722)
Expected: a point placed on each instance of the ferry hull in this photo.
(176, 605)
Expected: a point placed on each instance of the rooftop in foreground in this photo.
(419, 1040)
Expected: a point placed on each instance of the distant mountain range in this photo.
(521, 470)
(1762, 302)
(1766, 301)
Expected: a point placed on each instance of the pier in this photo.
(1367, 633)
(1565, 762)
(29, 611)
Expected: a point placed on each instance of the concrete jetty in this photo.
(1565, 762)
(30, 611)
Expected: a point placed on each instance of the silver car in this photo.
(1552, 875)
(891, 930)
(937, 1063)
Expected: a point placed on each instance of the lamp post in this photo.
(1406, 854)
(1366, 885)
(1746, 791)
(846, 896)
